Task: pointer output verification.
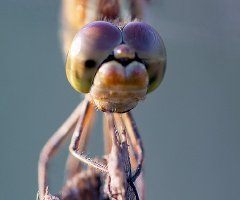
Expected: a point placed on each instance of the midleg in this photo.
(78, 137)
(73, 165)
(136, 153)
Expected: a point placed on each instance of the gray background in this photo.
(190, 125)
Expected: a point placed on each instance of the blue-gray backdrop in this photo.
(190, 125)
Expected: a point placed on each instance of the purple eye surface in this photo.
(90, 47)
(150, 49)
(97, 39)
(101, 35)
(140, 35)
(144, 39)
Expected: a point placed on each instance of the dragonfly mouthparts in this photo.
(118, 88)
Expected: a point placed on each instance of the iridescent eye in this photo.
(150, 49)
(90, 47)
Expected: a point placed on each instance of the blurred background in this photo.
(190, 125)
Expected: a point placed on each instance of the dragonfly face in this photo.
(117, 66)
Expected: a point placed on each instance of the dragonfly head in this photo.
(117, 67)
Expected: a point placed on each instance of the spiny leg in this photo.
(52, 146)
(73, 165)
(136, 141)
(136, 153)
(77, 137)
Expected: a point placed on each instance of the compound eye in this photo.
(150, 49)
(90, 47)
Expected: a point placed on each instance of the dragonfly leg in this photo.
(52, 146)
(137, 157)
(73, 165)
(78, 135)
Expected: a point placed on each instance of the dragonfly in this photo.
(115, 60)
